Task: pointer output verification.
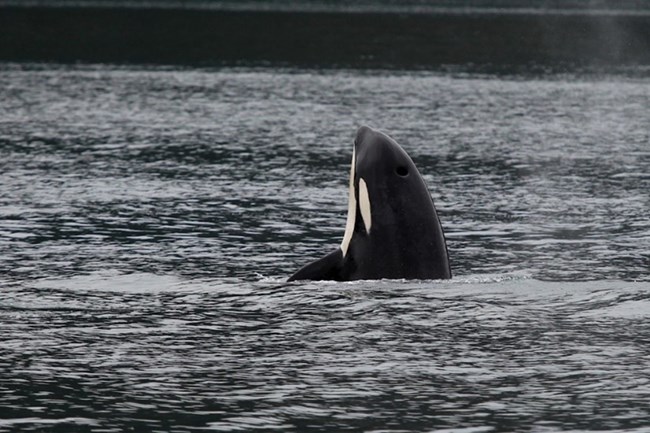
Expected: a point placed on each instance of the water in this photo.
(150, 216)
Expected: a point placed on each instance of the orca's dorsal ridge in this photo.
(392, 229)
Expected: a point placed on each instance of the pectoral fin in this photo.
(326, 268)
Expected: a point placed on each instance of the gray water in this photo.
(150, 216)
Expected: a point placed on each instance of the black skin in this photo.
(406, 240)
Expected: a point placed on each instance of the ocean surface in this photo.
(149, 218)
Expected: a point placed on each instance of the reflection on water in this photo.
(149, 219)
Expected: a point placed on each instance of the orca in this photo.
(392, 230)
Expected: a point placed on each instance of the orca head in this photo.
(384, 182)
(392, 228)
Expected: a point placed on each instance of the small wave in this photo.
(633, 175)
(491, 278)
(465, 279)
(114, 281)
(48, 421)
(624, 310)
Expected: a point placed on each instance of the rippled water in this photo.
(149, 218)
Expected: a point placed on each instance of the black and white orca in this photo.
(392, 230)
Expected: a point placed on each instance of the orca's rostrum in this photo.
(392, 230)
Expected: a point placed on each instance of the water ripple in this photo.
(150, 217)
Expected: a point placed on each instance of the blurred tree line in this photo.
(613, 5)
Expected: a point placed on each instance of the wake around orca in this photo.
(392, 229)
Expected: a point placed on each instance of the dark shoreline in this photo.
(322, 39)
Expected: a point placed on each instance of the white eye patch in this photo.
(364, 205)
